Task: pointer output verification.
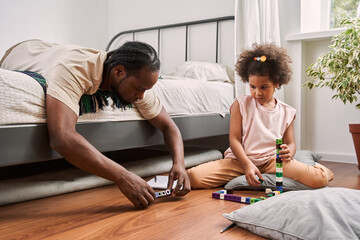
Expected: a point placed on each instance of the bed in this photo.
(24, 138)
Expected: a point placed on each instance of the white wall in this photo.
(128, 15)
(327, 121)
(92, 23)
(81, 22)
(125, 15)
(315, 15)
(323, 123)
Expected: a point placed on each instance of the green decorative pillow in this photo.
(303, 156)
(327, 213)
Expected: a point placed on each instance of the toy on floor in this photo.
(163, 193)
(226, 194)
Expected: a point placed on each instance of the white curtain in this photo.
(256, 21)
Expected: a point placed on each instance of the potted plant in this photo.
(339, 69)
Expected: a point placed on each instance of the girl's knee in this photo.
(316, 176)
(324, 175)
(196, 179)
(213, 174)
(319, 181)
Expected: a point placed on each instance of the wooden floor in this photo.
(104, 213)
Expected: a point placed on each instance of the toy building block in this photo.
(216, 195)
(234, 198)
(270, 194)
(225, 191)
(248, 200)
(279, 167)
(163, 193)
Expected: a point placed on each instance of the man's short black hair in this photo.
(133, 56)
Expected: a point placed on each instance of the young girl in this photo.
(256, 122)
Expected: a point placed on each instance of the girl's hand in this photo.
(285, 153)
(250, 174)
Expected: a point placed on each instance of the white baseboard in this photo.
(333, 157)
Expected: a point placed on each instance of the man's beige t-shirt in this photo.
(70, 71)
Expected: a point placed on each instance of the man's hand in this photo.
(183, 186)
(173, 141)
(136, 190)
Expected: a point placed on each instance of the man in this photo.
(129, 72)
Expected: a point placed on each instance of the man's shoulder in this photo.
(150, 106)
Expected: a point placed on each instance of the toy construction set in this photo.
(226, 194)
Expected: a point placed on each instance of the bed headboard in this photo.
(209, 40)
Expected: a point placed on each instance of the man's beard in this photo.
(114, 89)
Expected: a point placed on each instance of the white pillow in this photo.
(205, 71)
(328, 213)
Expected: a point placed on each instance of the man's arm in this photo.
(64, 139)
(173, 141)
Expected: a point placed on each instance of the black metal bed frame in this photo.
(184, 24)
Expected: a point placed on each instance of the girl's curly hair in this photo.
(276, 66)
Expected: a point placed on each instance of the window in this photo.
(342, 8)
(323, 15)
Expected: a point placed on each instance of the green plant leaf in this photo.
(339, 68)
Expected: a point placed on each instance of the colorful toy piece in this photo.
(224, 195)
(163, 193)
(279, 167)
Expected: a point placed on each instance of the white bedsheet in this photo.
(185, 96)
(22, 99)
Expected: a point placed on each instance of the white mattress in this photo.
(186, 96)
(22, 99)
